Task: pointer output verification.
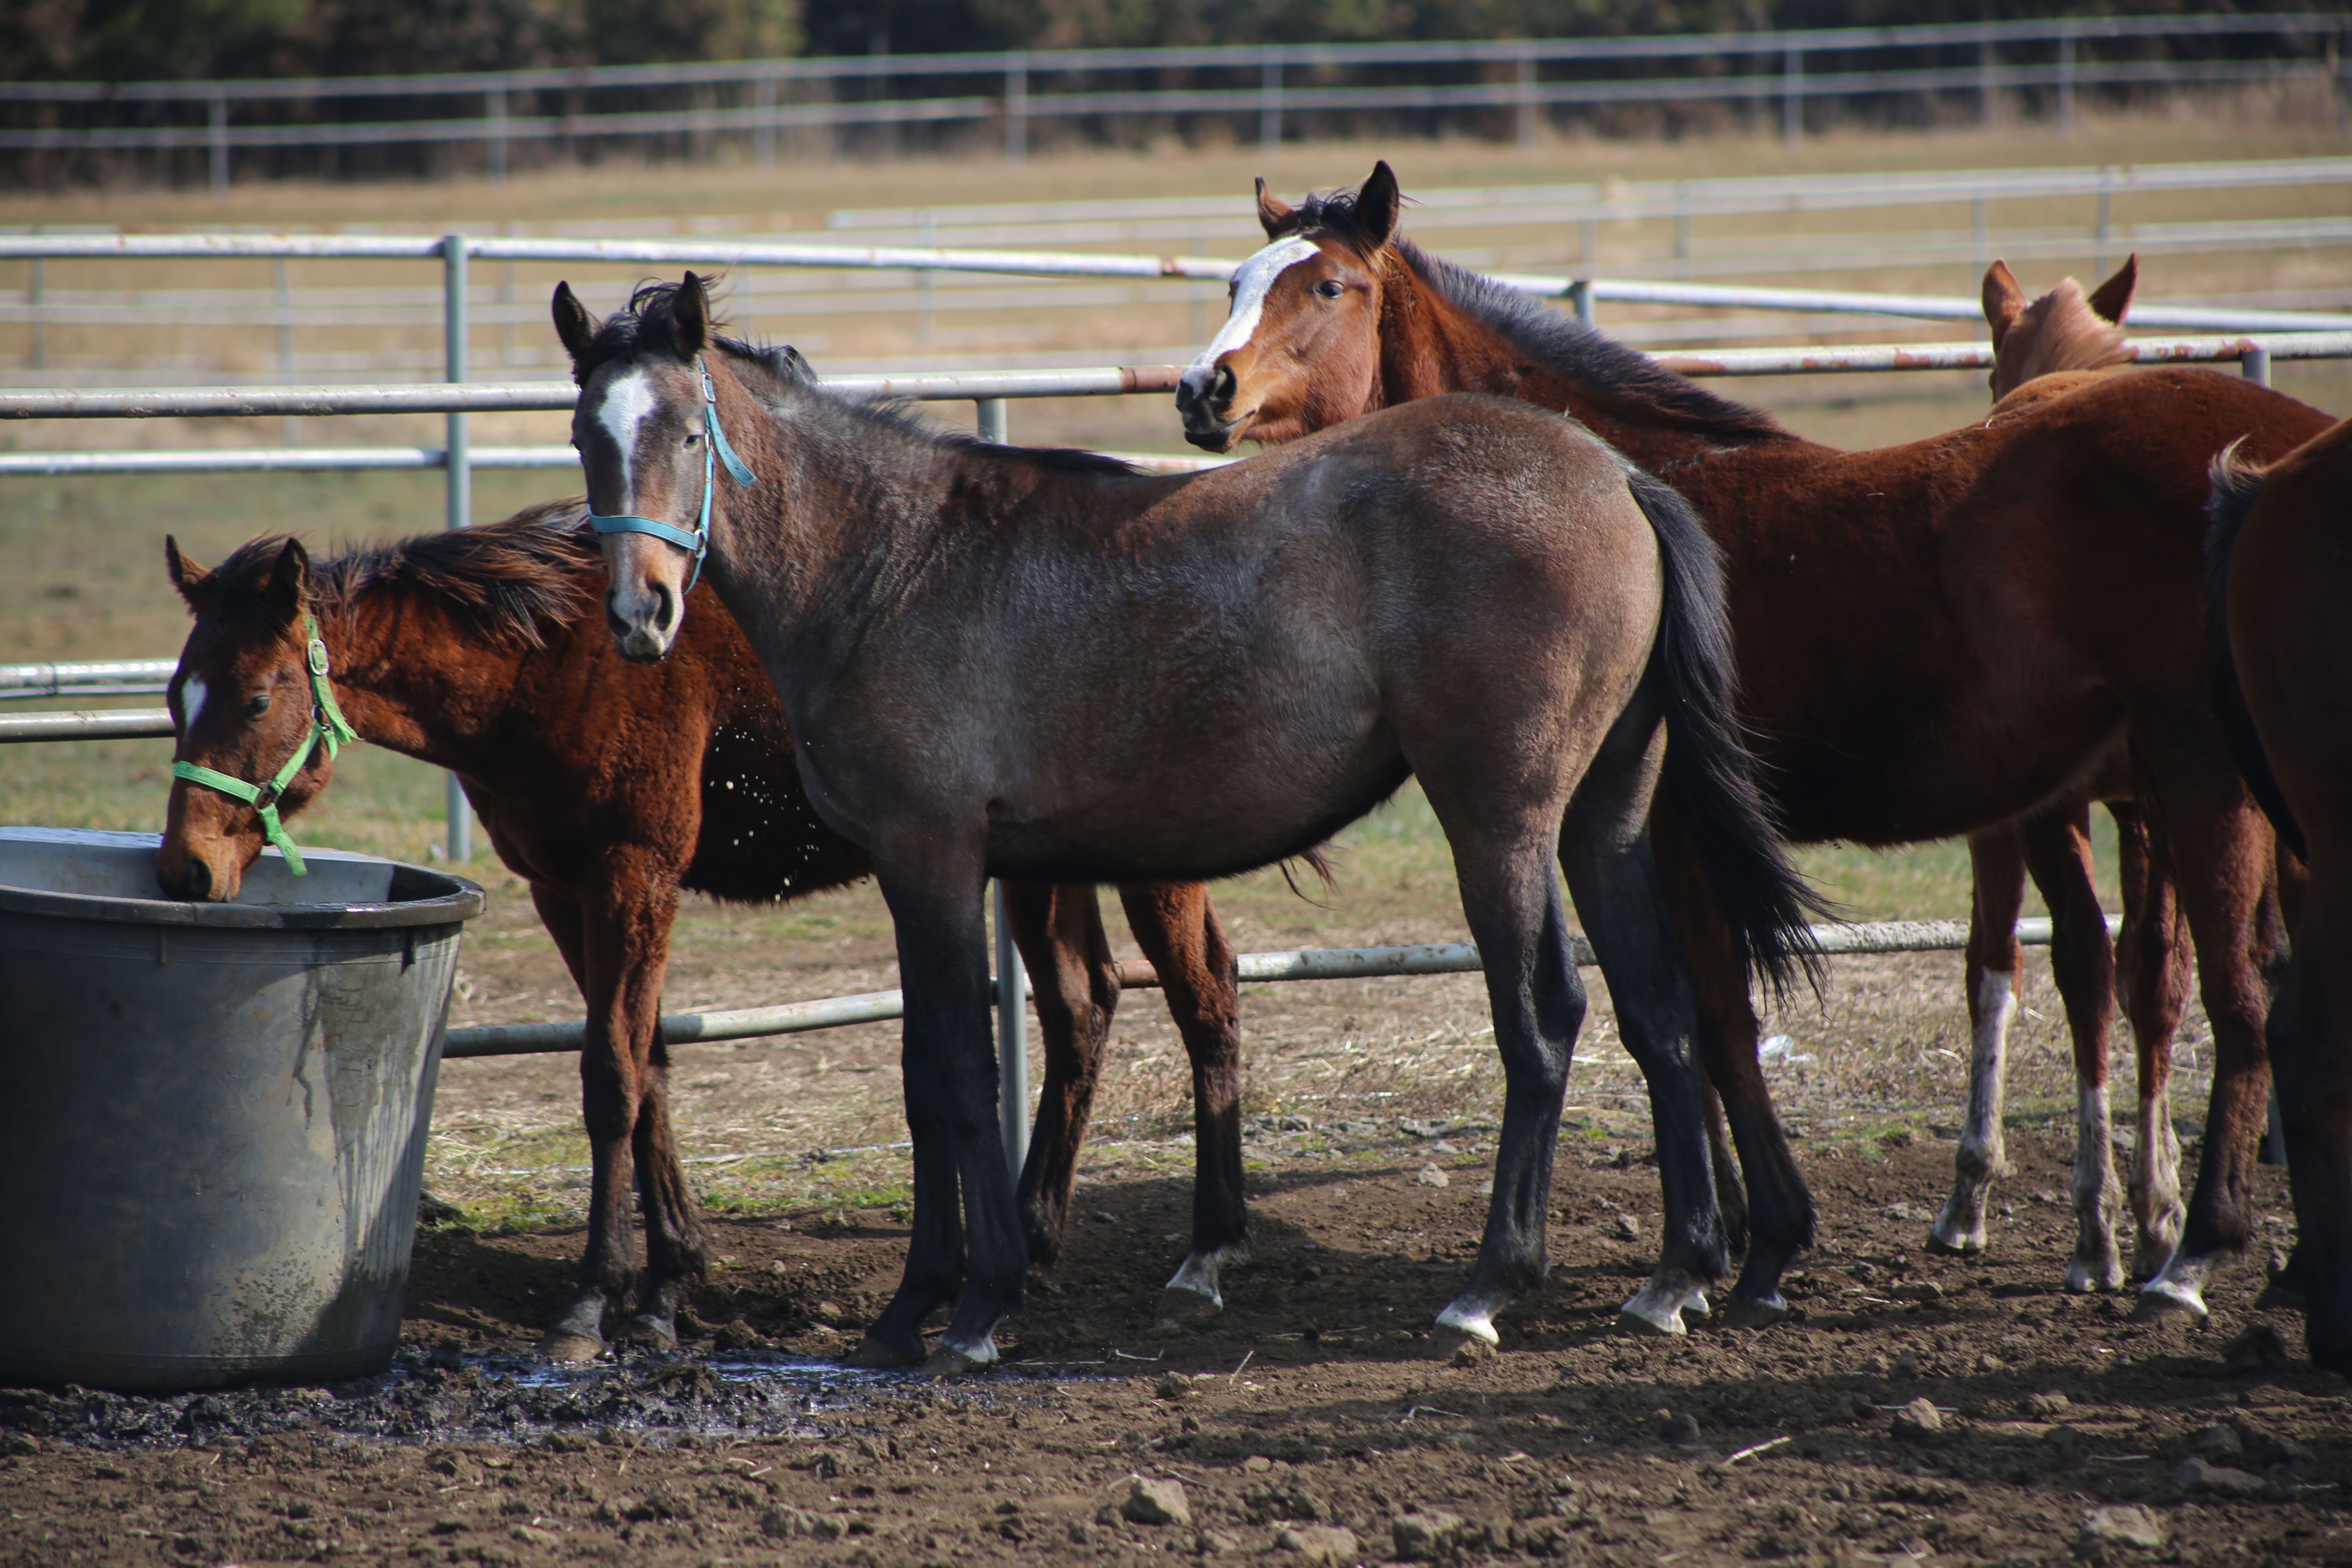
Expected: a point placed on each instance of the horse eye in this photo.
(1330, 289)
(257, 705)
(694, 438)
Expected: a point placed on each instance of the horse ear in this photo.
(194, 583)
(1377, 202)
(2003, 300)
(289, 583)
(690, 318)
(573, 324)
(2113, 298)
(1274, 215)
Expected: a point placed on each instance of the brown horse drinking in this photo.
(609, 786)
(1045, 664)
(1934, 639)
(2281, 576)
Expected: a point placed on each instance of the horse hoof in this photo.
(1182, 1309)
(1640, 1322)
(2279, 1297)
(951, 1360)
(881, 1355)
(2161, 1302)
(1956, 1242)
(654, 1333)
(2088, 1278)
(1459, 1346)
(1753, 1312)
(566, 1345)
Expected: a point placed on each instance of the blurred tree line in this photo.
(126, 40)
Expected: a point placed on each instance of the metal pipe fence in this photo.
(1278, 86)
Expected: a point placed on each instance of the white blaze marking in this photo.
(191, 702)
(1251, 284)
(628, 398)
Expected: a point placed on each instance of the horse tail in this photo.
(1709, 775)
(2237, 484)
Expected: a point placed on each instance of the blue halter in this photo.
(714, 448)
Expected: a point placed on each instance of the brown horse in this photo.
(2281, 574)
(609, 787)
(1048, 666)
(1935, 639)
(2043, 349)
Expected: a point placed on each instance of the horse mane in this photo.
(2060, 331)
(1560, 344)
(778, 373)
(505, 581)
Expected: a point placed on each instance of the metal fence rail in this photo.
(1755, 69)
(1254, 968)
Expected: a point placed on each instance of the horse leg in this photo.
(2153, 972)
(2058, 851)
(1059, 932)
(1604, 850)
(2222, 850)
(623, 990)
(2311, 1051)
(1997, 872)
(932, 885)
(1780, 1207)
(675, 1249)
(1177, 928)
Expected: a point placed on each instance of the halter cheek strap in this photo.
(326, 724)
(715, 449)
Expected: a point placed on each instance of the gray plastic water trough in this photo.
(212, 1116)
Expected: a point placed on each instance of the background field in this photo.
(88, 583)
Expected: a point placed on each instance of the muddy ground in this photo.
(1309, 1421)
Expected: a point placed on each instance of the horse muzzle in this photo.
(643, 624)
(1204, 401)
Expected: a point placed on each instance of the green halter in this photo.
(327, 723)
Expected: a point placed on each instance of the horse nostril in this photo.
(1221, 391)
(664, 607)
(196, 878)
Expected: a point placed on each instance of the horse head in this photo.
(2064, 330)
(1300, 347)
(647, 431)
(245, 705)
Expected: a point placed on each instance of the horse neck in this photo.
(1431, 346)
(413, 678)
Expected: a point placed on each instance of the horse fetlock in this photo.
(1658, 1307)
(2177, 1291)
(1960, 1228)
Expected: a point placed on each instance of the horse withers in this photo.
(610, 787)
(2281, 574)
(1046, 664)
(1934, 639)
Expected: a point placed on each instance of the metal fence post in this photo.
(217, 133)
(1269, 105)
(494, 108)
(1988, 83)
(763, 112)
(459, 493)
(990, 418)
(285, 302)
(2100, 233)
(2066, 84)
(1792, 96)
(38, 287)
(1016, 107)
(2254, 364)
(1527, 100)
(1011, 1041)
(1579, 299)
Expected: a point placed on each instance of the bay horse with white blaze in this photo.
(1935, 639)
(2281, 574)
(610, 787)
(1045, 664)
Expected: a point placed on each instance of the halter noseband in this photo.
(326, 724)
(714, 447)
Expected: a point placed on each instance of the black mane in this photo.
(504, 580)
(1559, 344)
(778, 372)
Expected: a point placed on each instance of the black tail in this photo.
(1709, 777)
(2236, 485)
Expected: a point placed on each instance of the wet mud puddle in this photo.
(433, 1396)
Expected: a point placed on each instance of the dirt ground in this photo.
(1310, 1418)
